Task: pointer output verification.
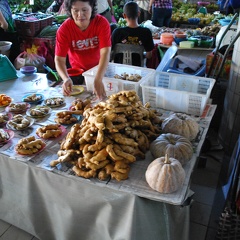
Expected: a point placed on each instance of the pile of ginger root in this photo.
(112, 135)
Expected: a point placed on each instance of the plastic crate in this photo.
(177, 92)
(113, 85)
(32, 28)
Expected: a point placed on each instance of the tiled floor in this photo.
(205, 206)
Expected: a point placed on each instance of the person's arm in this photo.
(60, 63)
(102, 67)
(111, 6)
(150, 6)
(149, 43)
(148, 55)
(3, 22)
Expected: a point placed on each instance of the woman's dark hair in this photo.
(92, 3)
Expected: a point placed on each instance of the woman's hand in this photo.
(150, 9)
(99, 90)
(67, 87)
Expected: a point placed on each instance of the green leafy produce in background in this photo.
(118, 9)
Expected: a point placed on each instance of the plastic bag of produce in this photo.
(29, 59)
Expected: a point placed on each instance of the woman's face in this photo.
(81, 13)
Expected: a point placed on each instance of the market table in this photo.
(52, 203)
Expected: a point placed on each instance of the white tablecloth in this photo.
(56, 205)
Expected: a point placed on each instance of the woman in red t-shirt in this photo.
(85, 37)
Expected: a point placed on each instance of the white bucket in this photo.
(5, 47)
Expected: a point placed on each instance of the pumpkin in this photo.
(175, 146)
(181, 124)
(165, 175)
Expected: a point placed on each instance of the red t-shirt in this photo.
(83, 47)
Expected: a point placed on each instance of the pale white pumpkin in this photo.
(181, 124)
(165, 175)
(175, 146)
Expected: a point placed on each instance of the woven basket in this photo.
(229, 225)
(229, 222)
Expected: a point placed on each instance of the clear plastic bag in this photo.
(29, 59)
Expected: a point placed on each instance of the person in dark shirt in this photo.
(161, 11)
(132, 33)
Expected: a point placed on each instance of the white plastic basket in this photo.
(177, 92)
(113, 85)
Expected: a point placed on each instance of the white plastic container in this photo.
(186, 44)
(177, 92)
(113, 85)
(5, 47)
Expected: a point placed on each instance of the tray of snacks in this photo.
(4, 117)
(17, 107)
(66, 118)
(19, 122)
(5, 135)
(78, 106)
(34, 98)
(54, 102)
(5, 100)
(29, 145)
(50, 131)
(39, 111)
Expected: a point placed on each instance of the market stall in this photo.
(53, 203)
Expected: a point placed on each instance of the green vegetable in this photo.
(49, 31)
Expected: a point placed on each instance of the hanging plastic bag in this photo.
(29, 59)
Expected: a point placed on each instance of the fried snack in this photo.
(26, 140)
(17, 107)
(127, 156)
(4, 136)
(102, 175)
(49, 131)
(123, 139)
(129, 76)
(29, 145)
(65, 156)
(133, 151)
(84, 173)
(78, 106)
(19, 122)
(37, 143)
(32, 98)
(111, 136)
(55, 101)
(94, 166)
(109, 168)
(39, 111)
(119, 176)
(5, 100)
(65, 117)
(121, 166)
(112, 154)
(99, 157)
(3, 118)
(68, 143)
